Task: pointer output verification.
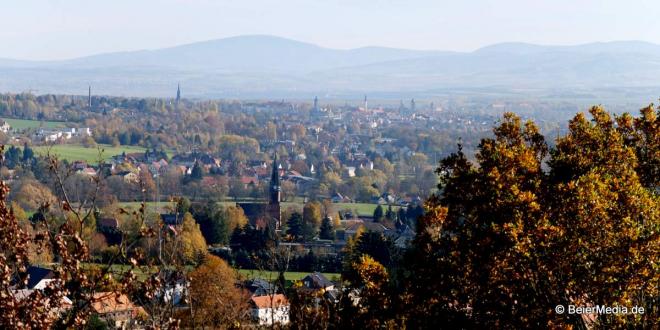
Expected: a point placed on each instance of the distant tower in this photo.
(366, 103)
(316, 103)
(275, 189)
(89, 97)
(178, 93)
(412, 106)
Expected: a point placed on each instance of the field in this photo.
(73, 152)
(365, 209)
(23, 124)
(141, 273)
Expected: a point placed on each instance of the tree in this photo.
(311, 219)
(377, 246)
(509, 242)
(66, 302)
(390, 215)
(213, 223)
(182, 205)
(312, 214)
(326, 231)
(215, 300)
(193, 244)
(372, 308)
(28, 153)
(295, 226)
(236, 217)
(32, 194)
(378, 214)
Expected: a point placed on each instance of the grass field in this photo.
(141, 273)
(364, 209)
(73, 152)
(23, 124)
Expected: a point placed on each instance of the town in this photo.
(329, 165)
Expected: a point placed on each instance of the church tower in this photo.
(275, 188)
(178, 93)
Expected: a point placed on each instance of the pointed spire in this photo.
(178, 92)
(275, 188)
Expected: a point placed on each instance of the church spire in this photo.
(275, 189)
(178, 93)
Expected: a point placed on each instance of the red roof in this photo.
(269, 301)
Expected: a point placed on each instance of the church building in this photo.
(267, 213)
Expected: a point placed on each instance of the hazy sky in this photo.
(55, 29)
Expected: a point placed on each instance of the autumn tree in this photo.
(215, 300)
(508, 241)
(66, 302)
(193, 244)
(311, 219)
(368, 301)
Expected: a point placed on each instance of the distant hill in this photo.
(266, 66)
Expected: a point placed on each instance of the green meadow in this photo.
(25, 124)
(73, 152)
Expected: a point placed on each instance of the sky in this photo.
(61, 29)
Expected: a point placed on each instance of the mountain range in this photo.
(267, 66)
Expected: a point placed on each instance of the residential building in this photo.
(270, 309)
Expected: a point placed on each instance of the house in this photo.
(349, 171)
(259, 287)
(65, 302)
(39, 278)
(271, 309)
(405, 237)
(116, 309)
(89, 171)
(4, 126)
(316, 281)
(78, 165)
(339, 198)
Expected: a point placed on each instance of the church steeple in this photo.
(275, 188)
(178, 93)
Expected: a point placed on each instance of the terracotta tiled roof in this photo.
(277, 301)
(109, 302)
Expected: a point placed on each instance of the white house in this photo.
(39, 278)
(270, 309)
(4, 126)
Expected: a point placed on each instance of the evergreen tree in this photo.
(390, 214)
(327, 232)
(28, 153)
(295, 226)
(378, 214)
